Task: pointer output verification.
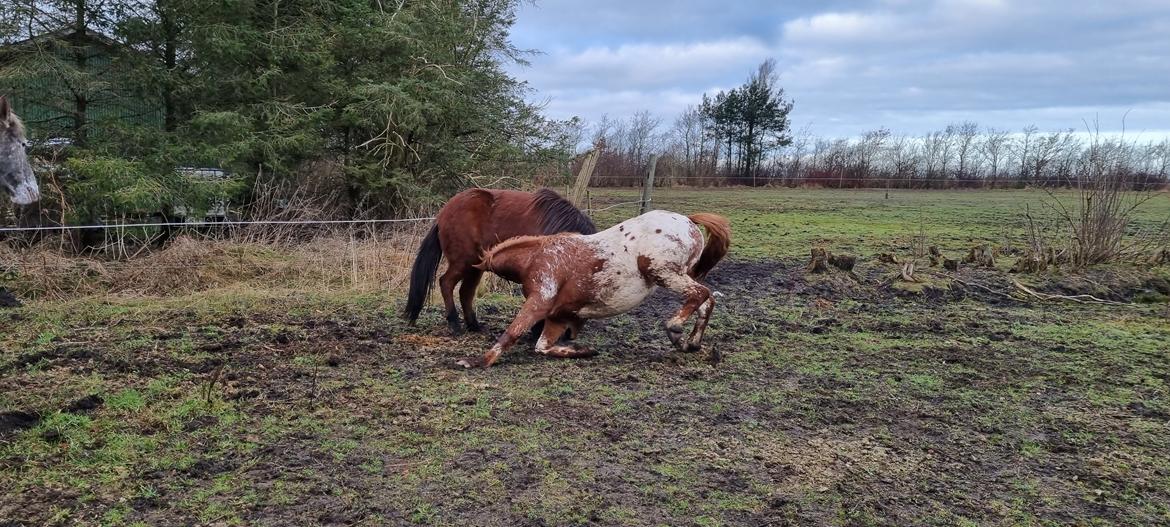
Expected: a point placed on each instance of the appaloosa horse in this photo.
(472, 222)
(16, 174)
(568, 278)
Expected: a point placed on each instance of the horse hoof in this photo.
(475, 327)
(692, 347)
(471, 362)
(675, 334)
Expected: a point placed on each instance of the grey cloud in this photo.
(852, 66)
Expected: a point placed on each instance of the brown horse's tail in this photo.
(422, 274)
(718, 242)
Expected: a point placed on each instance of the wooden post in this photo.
(581, 185)
(648, 185)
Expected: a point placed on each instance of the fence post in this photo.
(648, 185)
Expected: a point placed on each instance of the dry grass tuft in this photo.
(357, 259)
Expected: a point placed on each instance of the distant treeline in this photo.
(695, 152)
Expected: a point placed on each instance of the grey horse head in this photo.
(16, 175)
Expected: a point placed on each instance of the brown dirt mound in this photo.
(7, 299)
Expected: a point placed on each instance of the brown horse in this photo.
(471, 223)
(568, 278)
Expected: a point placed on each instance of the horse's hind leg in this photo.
(447, 287)
(694, 295)
(467, 291)
(695, 343)
(575, 326)
(549, 342)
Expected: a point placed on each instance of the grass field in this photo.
(839, 400)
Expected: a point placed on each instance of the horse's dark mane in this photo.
(558, 215)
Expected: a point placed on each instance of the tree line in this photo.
(383, 105)
(743, 137)
(962, 155)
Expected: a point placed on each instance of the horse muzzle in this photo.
(26, 194)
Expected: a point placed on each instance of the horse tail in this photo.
(718, 242)
(422, 274)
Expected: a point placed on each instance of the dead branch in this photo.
(983, 287)
(1083, 299)
(908, 272)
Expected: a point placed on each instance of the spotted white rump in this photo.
(651, 246)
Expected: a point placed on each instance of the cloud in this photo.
(855, 65)
(620, 104)
(912, 64)
(646, 66)
(841, 28)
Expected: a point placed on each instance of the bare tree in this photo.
(688, 133)
(935, 146)
(642, 136)
(904, 158)
(1160, 156)
(947, 149)
(1045, 149)
(965, 146)
(866, 153)
(796, 153)
(1023, 149)
(994, 148)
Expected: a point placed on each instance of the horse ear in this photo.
(5, 110)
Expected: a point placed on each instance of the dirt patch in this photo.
(85, 404)
(423, 341)
(15, 421)
(7, 299)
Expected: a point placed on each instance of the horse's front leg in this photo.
(549, 343)
(534, 310)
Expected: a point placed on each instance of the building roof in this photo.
(69, 34)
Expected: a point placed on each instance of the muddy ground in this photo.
(839, 400)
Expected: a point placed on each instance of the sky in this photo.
(911, 66)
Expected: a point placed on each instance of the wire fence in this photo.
(123, 226)
(875, 183)
(358, 256)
